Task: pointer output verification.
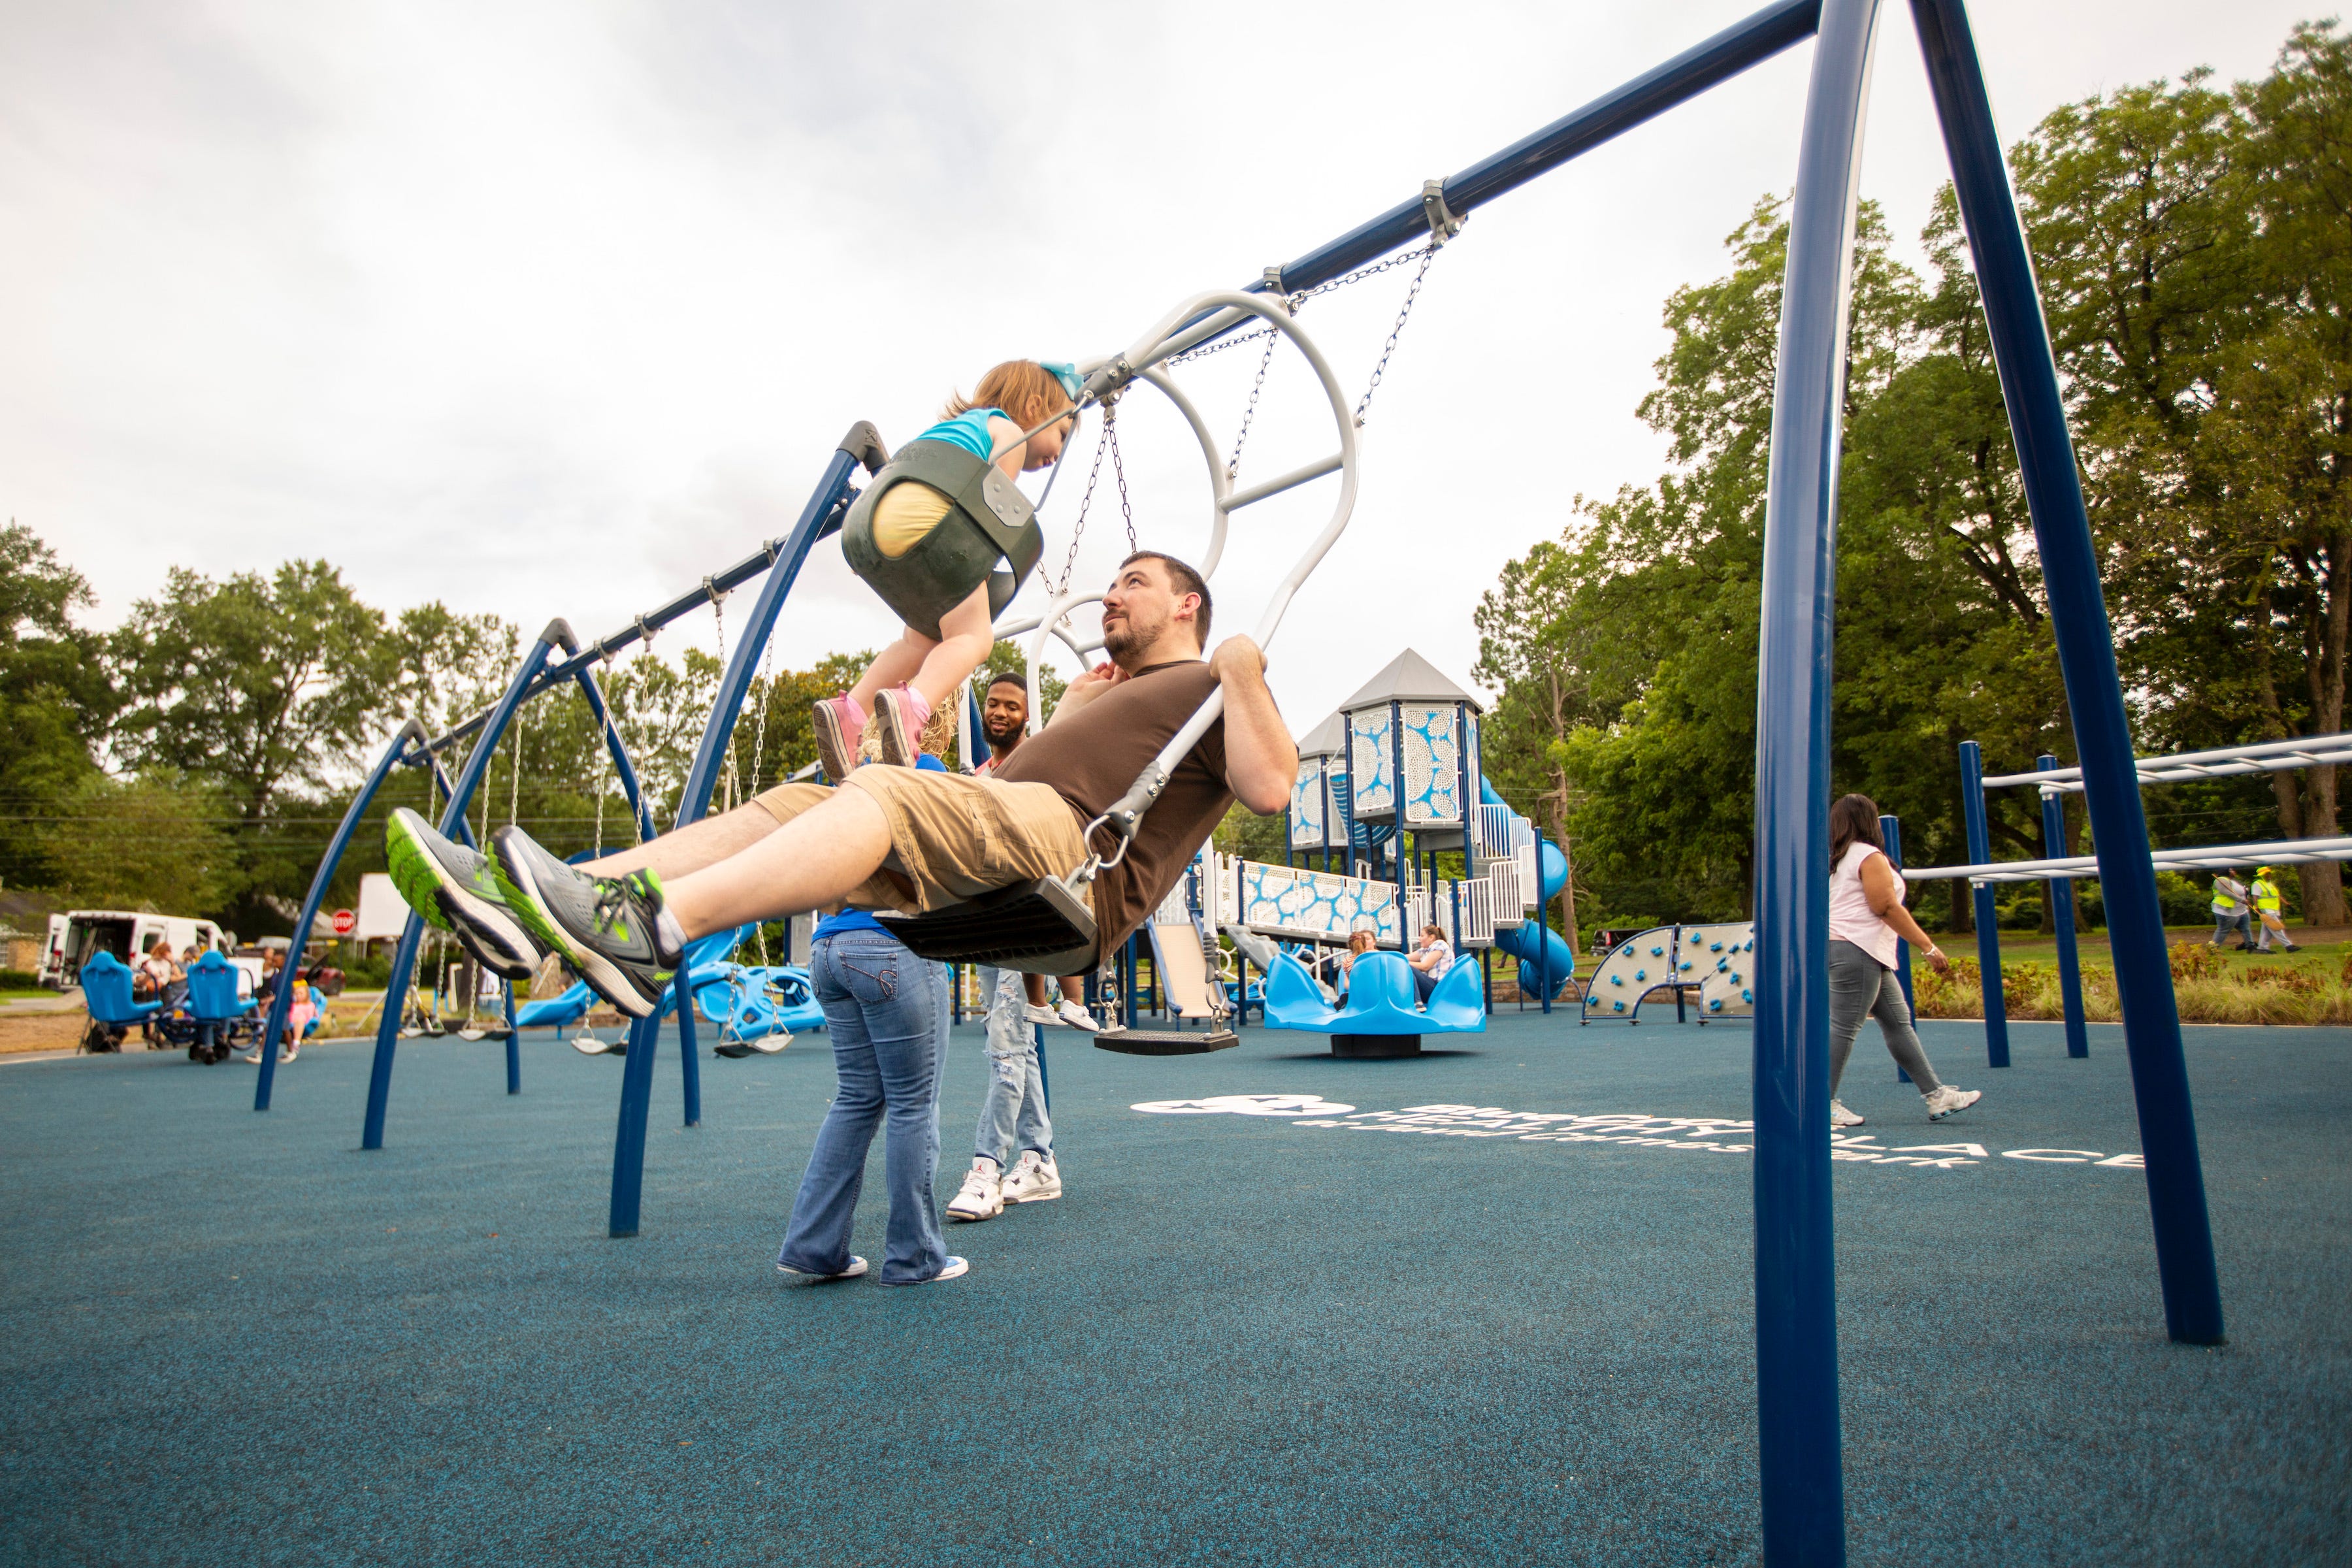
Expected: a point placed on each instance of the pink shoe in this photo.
(899, 715)
(840, 726)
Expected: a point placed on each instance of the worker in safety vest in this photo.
(2266, 907)
(2230, 903)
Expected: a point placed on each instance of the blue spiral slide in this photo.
(1535, 939)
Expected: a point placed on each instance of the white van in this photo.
(76, 935)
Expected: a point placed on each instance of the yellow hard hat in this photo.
(2262, 870)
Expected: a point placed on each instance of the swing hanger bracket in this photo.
(1107, 382)
(1444, 223)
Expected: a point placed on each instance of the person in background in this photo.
(159, 979)
(265, 992)
(1866, 919)
(1340, 965)
(1004, 721)
(2230, 903)
(2265, 894)
(1430, 960)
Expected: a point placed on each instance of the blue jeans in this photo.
(1013, 1113)
(887, 1011)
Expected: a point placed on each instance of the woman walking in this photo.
(1866, 919)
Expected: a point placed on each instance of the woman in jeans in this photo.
(1866, 917)
(887, 1011)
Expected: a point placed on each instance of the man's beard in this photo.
(1128, 638)
(1000, 738)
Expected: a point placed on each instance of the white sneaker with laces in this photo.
(956, 1269)
(857, 1267)
(981, 1196)
(1948, 1099)
(1840, 1117)
(1034, 1179)
(1038, 1013)
(1075, 1016)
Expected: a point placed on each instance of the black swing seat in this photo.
(1166, 1042)
(1033, 928)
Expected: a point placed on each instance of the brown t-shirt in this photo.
(1095, 754)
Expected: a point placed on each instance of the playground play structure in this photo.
(1797, 1385)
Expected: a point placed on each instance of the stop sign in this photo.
(346, 923)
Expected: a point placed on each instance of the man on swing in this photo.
(900, 840)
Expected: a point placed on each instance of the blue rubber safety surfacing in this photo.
(234, 1337)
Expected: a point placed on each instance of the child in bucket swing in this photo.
(919, 671)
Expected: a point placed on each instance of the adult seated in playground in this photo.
(1866, 917)
(1005, 722)
(1431, 958)
(896, 838)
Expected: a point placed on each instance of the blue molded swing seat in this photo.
(555, 1012)
(1379, 1000)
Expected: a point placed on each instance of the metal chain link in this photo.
(1427, 256)
(1107, 441)
(1249, 413)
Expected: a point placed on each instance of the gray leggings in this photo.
(1859, 989)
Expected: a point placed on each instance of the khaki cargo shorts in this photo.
(951, 835)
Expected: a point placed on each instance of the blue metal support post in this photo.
(282, 1001)
(820, 517)
(2062, 910)
(1890, 829)
(453, 823)
(1544, 986)
(2086, 658)
(1796, 1289)
(1987, 913)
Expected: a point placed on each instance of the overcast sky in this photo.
(554, 308)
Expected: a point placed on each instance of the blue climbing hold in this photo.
(1619, 1005)
(1716, 1006)
(1748, 995)
(1616, 980)
(1657, 951)
(1716, 947)
(1641, 974)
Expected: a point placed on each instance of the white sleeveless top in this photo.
(1850, 916)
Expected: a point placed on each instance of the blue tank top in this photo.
(967, 430)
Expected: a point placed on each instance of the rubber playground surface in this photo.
(1492, 1306)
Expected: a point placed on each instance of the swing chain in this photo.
(1428, 254)
(1107, 441)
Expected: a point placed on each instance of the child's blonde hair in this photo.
(1027, 392)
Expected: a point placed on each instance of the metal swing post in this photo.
(282, 1002)
(1796, 1289)
(2062, 909)
(2086, 658)
(1987, 913)
(819, 518)
(452, 823)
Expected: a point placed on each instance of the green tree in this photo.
(55, 698)
(156, 842)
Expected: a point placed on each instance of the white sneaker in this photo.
(1035, 1180)
(857, 1267)
(981, 1195)
(1075, 1016)
(956, 1269)
(1840, 1117)
(1038, 1013)
(1947, 1100)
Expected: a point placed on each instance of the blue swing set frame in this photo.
(1802, 1487)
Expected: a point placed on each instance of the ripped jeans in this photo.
(887, 1011)
(1013, 1113)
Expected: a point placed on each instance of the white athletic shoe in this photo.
(1075, 1016)
(1038, 1013)
(1840, 1117)
(1947, 1100)
(980, 1197)
(857, 1267)
(956, 1269)
(1035, 1180)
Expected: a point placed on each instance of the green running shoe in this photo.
(455, 889)
(603, 926)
